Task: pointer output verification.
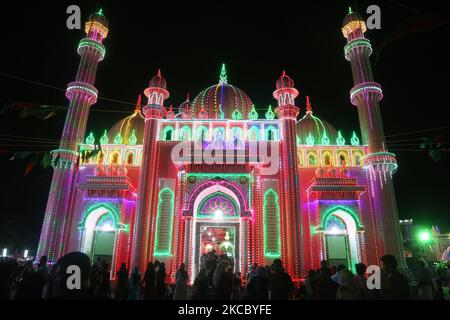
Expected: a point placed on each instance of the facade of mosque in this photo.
(173, 184)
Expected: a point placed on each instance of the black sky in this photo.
(189, 44)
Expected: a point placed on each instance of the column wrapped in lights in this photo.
(291, 224)
(143, 242)
(366, 95)
(81, 94)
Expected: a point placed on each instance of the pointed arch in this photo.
(164, 223)
(271, 225)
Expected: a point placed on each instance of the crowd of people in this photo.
(216, 280)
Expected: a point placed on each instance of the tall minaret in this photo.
(81, 94)
(291, 208)
(379, 163)
(154, 111)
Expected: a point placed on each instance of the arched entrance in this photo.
(216, 226)
(340, 227)
(100, 226)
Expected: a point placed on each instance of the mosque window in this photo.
(219, 134)
(271, 133)
(272, 240)
(343, 159)
(164, 223)
(115, 158)
(101, 157)
(358, 159)
(130, 158)
(327, 159)
(185, 133)
(168, 133)
(312, 159)
(202, 134)
(253, 134)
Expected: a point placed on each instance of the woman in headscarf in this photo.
(135, 285)
(181, 285)
(222, 282)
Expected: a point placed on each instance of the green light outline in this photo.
(273, 128)
(110, 208)
(167, 129)
(332, 210)
(199, 130)
(218, 193)
(188, 130)
(266, 253)
(256, 129)
(157, 253)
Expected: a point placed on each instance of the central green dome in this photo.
(222, 100)
(314, 131)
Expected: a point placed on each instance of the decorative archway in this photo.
(217, 207)
(210, 187)
(100, 223)
(340, 227)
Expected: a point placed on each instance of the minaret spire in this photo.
(308, 106)
(366, 95)
(143, 239)
(138, 104)
(223, 74)
(291, 248)
(81, 95)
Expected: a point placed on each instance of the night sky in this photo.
(189, 44)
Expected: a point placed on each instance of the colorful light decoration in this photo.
(285, 215)
(90, 139)
(253, 114)
(104, 139)
(355, 140)
(340, 141)
(270, 115)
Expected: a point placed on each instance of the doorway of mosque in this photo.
(223, 239)
(104, 238)
(104, 246)
(337, 242)
(337, 246)
(219, 239)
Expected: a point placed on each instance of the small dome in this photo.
(351, 16)
(158, 81)
(345, 173)
(122, 171)
(99, 171)
(170, 114)
(320, 172)
(322, 132)
(332, 172)
(285, 82)
(186, 105)
(222, 96)
(110, 171)
(100, 18)
(130, 128)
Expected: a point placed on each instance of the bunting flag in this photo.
(46, 161)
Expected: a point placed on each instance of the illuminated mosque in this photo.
(332, 197)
